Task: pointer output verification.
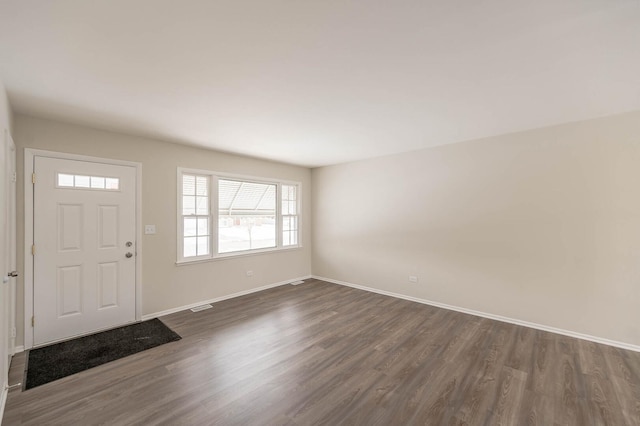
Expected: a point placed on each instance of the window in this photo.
(224, 215)
(88, 182)
(196, 215)
(289, 215)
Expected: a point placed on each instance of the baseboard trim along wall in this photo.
(3, 401)
(536, 326)
(221, 298)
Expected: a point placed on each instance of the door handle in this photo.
(128, 255)
(10, 275)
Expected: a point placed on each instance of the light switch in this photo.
(149, 229)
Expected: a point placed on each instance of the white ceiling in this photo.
(320, 82)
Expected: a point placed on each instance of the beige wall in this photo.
(5, 109)
(165, 285)
(540, 226)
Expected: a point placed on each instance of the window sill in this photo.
(228, 256)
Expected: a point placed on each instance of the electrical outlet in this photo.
(149, 229)
(413, 279)
(13, 332)
(249, 273)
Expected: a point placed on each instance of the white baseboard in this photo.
(542, 327)
(221, 298)
(3, 401)
(5, 389)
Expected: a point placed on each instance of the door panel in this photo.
(108, 285)
(108, 226)
(70, 218)
(84, 214)
(69, 292)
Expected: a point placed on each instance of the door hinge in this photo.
(33, 321)
(33, 178)
(33, 250)
(14, 177)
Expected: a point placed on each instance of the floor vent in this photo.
(201, 308)
(297, 282)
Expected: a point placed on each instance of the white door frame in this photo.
(10, 161)
(29, 155)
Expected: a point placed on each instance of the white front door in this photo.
(84, 247)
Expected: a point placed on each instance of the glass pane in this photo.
(65, 180)
(203, 246)
(288, 192)
(188, 205)
(293, 207)
(246, 197)
(227, 190)
(267, 201)
(112, 183)
(239, 232)
(190, 227)
(97, 182)
(202, 207)
(203, 226)
(202, 185)
(82, 182)
(189, 247)
(289, 230)
(188, 185)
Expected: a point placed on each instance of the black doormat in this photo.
(54, 362)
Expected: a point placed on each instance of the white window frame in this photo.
(212, 203)
(214, 212)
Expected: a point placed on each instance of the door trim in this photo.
(11, 162)
(29, 156)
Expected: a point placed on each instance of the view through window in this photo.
(246, 215)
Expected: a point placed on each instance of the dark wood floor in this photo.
(320, 353)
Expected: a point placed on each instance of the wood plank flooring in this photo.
(320, 353)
